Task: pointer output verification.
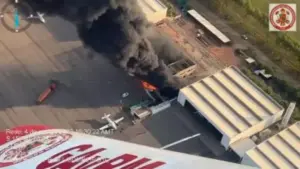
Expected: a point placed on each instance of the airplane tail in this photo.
(41, 17)
(106, 116)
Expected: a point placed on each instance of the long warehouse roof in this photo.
(282, 151)
(151, 6)
(209, 26)
(231, 101)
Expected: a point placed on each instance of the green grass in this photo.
(259, 34)
(269, 90)
(263, 5)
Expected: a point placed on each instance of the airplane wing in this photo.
(104, 127)
(119, 120)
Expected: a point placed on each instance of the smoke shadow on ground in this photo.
(89, 82)
(62, 30)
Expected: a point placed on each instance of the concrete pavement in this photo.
(177, 123)
(90, 86)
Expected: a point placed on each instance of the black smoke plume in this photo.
(119, 30)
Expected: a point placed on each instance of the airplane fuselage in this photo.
(112, 123)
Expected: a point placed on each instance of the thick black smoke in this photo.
(119, 30)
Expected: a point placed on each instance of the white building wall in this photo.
(154, 10)
(248, 161)
(157, 16)
(181, 98)
(226, 141)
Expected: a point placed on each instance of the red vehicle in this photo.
(46, 93)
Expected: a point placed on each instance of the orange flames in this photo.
(148, 86)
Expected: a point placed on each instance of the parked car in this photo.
(245, 37)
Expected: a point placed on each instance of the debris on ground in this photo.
(125, 94)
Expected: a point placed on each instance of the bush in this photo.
(288, 93)
(264, 86)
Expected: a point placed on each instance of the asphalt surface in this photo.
(176, 123)
(90, 86)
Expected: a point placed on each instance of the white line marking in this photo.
(180, 141)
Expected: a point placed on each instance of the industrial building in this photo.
(182, 68)
(154, 10)
(281, 151)
(208, 27)
(232, 104)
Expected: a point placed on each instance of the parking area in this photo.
(89, 85)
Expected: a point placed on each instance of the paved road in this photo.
(90, 86)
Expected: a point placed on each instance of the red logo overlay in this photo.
(86, 157)
(282, 17)
(31, 147)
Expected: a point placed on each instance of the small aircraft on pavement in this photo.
(111, 123)
(39, 16)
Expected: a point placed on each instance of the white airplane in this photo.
(39, 16)
(114, 153)
(111, 124)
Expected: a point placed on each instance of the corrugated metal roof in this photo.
(282, 151)
(151, 6)
(231, 101)
(209, 26)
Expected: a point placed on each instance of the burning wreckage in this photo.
(117, 29)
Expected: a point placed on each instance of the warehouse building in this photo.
(282, 151)
(208, 27)
(154, 10)
(232, 104)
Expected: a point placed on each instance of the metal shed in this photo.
(232, 103)
(209, 27)
(281, 151)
